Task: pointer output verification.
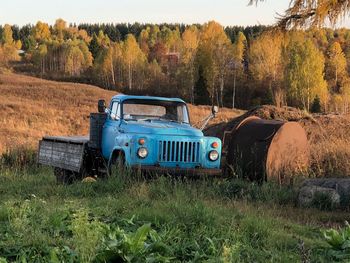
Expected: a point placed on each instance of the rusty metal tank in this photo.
(268, 149)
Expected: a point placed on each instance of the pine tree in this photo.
(94, 46)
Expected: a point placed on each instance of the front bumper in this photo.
(176, 171)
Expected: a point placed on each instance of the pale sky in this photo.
(227, 12)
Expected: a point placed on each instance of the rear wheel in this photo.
(64, 176)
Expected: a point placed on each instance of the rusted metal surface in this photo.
(267, 149)
(289, 152)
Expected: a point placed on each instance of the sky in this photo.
(226, 12)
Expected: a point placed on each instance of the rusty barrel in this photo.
(268, 149)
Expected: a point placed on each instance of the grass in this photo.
(180, 220)
(129, 219)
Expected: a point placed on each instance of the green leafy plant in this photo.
(339, 241)
(87, 235)
(144, 245)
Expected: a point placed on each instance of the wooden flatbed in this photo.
(65, 152)
(68, 139)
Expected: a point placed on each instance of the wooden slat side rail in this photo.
(60, 154)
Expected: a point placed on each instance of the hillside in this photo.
(32, 107)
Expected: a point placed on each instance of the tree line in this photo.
(204, 64)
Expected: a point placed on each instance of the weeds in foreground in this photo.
(157, 220)
(339, 242)
(18, 158)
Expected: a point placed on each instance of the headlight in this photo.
(142, 152)
(213, 155)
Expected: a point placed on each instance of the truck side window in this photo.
(115, 111)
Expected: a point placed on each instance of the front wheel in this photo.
(117, 165)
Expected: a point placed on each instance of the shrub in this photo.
(18, 158)
(339, 242)
(316, 105)
(87, 235)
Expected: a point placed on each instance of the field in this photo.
(31, 108)
(179, 221)
(130, 219)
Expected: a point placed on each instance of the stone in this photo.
(340, 185)
(308, 193)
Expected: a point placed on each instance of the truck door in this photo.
(111, 129)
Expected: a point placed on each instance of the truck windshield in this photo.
(147, 110)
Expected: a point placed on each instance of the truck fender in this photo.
(115, 152)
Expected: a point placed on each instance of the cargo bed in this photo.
(65, 152)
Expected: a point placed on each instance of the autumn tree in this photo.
(78, 58)
(304, 74)
(59, 28)
(6, 37)
(171, 38)
(133, 57)
(214, 56)
(9, 46)
(190, 41)
(108, 65)
(336, 63)
(143, 40)
(39, 56)
(41, 32)
(239, 49)
(266, 63)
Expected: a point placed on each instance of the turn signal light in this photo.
(215, 145)
(141, 141)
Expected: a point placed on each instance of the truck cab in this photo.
(154, 134)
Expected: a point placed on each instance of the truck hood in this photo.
(161, 128)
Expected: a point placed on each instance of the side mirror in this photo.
(101, 106)
(214, 110)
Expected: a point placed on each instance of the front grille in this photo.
(178, 151)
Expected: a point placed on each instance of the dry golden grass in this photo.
(198, 113)
(31, 108)
(329, 137)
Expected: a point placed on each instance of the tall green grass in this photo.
(128, 218)
(18, 158)
(131, 219)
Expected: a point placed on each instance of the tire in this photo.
(64, 176)
(117, 165)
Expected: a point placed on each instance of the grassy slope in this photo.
(32, 107)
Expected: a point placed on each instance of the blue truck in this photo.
(142, 133)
